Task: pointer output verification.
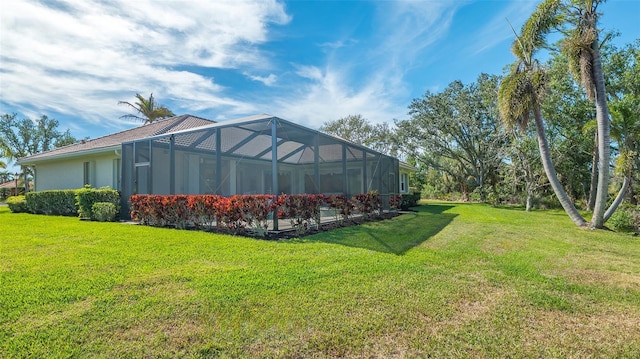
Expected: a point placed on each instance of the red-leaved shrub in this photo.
(301, 210)
(368, 204)
(238, 213)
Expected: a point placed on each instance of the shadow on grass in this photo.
(394, 236)
(433, 208)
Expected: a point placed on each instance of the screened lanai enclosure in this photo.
(255, 155)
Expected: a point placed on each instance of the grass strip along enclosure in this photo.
(449, 280)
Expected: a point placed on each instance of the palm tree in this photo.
(3, 153)
(5, 176)
(147, 110)
(521, 93)
(582, 47)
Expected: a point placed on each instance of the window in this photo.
(88, 173)
(404, 181)
(86, 170)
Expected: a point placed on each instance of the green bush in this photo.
(86, 197)
(409, 200)
(625, 219)
(103, 212)
(59, 202)
(17, 204)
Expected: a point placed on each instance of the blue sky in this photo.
(304, 61)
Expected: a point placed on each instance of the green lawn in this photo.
(452, 280)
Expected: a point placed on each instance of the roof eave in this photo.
(406, 166)
(28, 162)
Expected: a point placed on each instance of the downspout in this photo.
(118, 175)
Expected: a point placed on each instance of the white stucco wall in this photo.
(69, 173)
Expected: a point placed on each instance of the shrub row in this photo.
(17, 204)
(233, 213)
(58, 203)
(103, 212)
(409, 200)
(239, 213)
(86, 197)
(66, 202)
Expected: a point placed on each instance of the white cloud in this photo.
(328, 97)
(309, 72)
(338, 44)
(406, 30)
(499, 29)
(80, 57)
(266, 80)
(409, 28)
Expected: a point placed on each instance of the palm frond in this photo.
(590, 127)
(535, 30)
(515, 99)
(626, 161)
(134, 117)
(148, 110)
(539, 81)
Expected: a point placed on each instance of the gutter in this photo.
(407, 166)
(27, 162)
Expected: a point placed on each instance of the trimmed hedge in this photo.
(87, 196)
(59, 203)
(17, 204)
(342, 207)
(303, 211)
(238, 213)
(66, 202)
(409, 200)
(103, 212)
(369, 204)
(233, 214)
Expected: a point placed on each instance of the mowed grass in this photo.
(451, 280)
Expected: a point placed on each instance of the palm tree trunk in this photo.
(618, 200)
(594, 174)
(604, 139)
(549, 169)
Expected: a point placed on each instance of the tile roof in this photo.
(12, 184)
(168, 125)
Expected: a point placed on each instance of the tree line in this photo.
(564, 132)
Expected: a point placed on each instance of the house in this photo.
(191, 155)
(12, 188)
(98, 161)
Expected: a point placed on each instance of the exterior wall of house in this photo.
(98, 170)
